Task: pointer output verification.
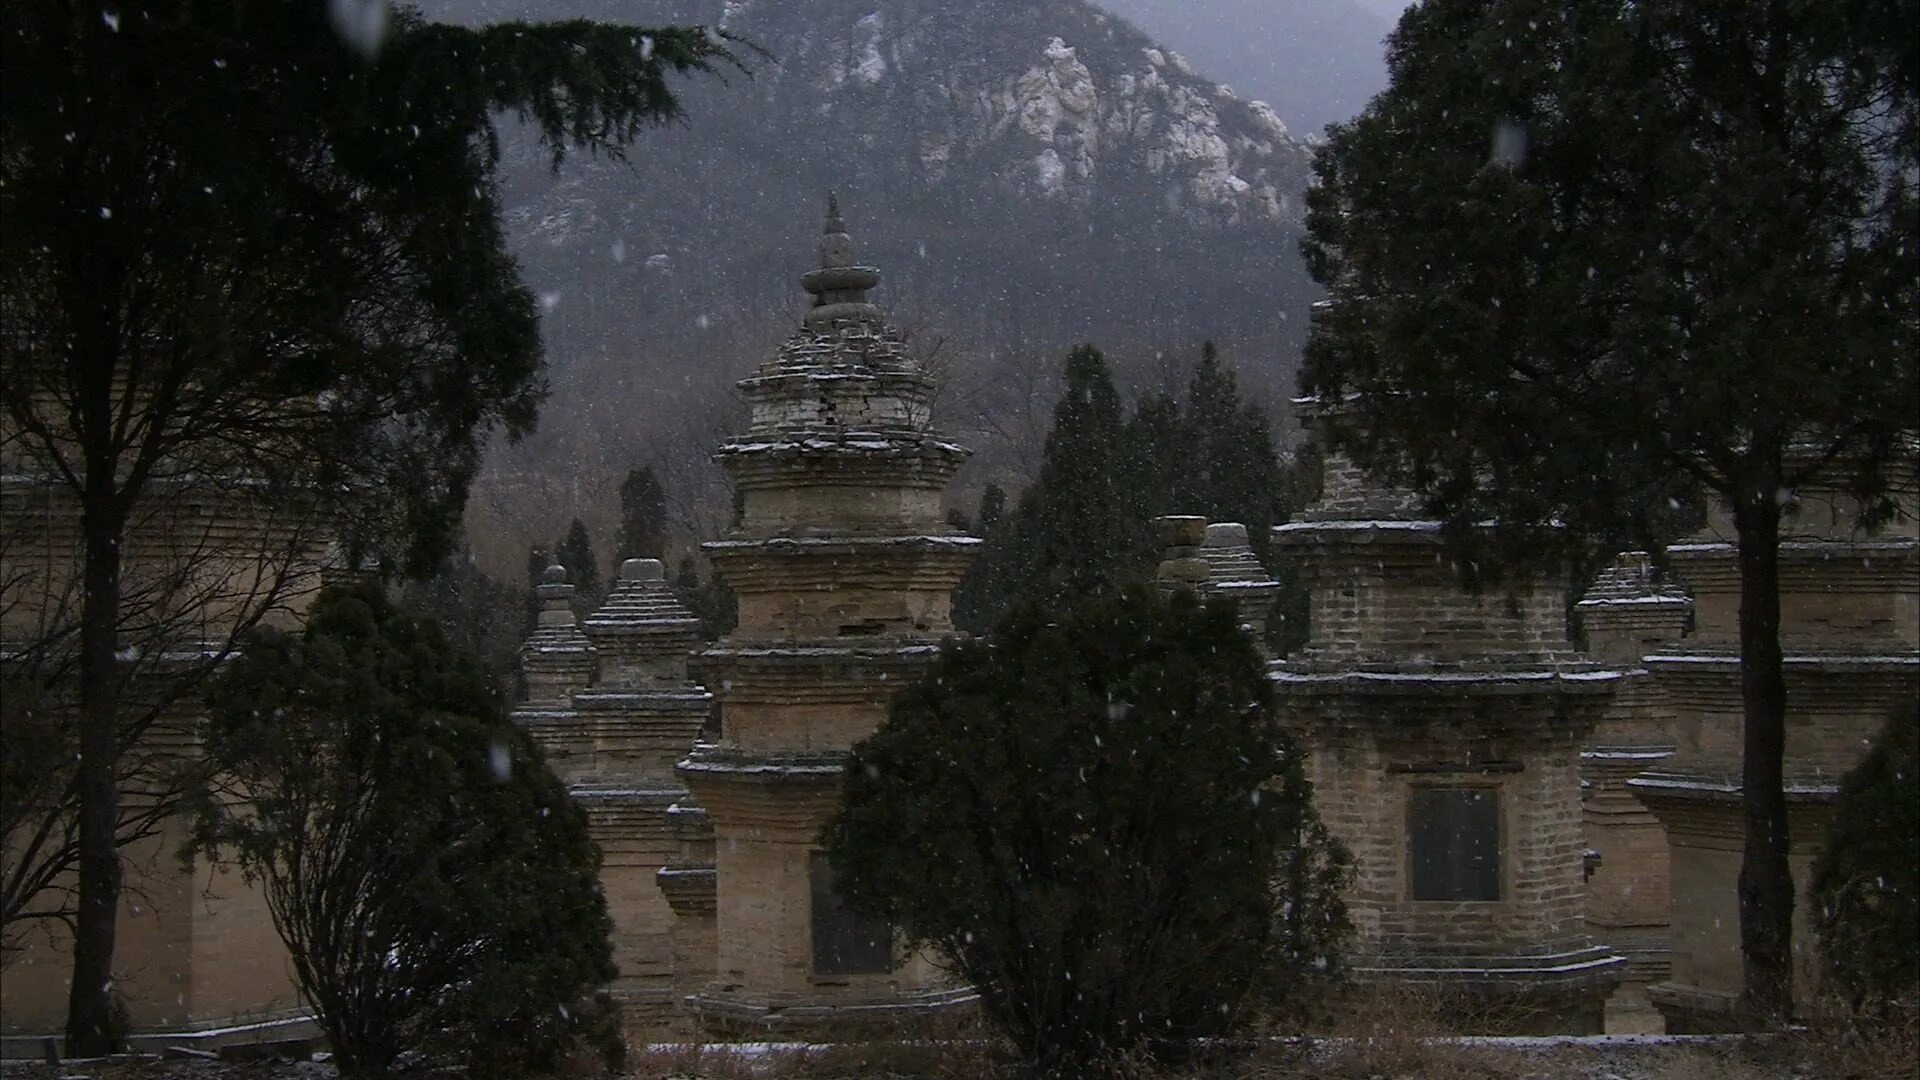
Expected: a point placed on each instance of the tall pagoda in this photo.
(1850, 634)
(1443, 732)
(844, 565)
(1627, 612)
(611, 702)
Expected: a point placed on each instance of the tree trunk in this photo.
(91, 1029)
(1766, 881)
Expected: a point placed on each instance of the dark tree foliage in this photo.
(1085, 523)
(477, 613)
(575, 553)
(431, 878)
(710, 599)
(1866, 884)
(1093, 818)
(1691, 260)
(238, 244)
(642, 533)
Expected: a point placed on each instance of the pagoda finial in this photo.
(836, 247)
(839, 286)
(834, 224)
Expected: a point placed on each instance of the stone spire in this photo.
(642, 633)
(557, 658)
(844, 565)
(840, 286)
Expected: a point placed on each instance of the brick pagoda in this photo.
(1850, 630)
(1443, 732)
(844, 566)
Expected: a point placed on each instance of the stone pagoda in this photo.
(1627, 612)
(615, 743)
(1443, 732)
(844, 566)
(1850, 630)
(1217, 560)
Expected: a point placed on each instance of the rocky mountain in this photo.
(1028, 174)
(1317, 61)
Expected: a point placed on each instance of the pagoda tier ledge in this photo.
(595, 790)
(771, 767)
(1818, 546)
(676, 700)
(1850, 662)
(1587, 681)
(804, 372)
(669, 627)
(1669, 601)
(828, 441)
(1722, 789)
(805, 654)
(1356, 525)
(842, 544)
(1627, 754)
(551, 713)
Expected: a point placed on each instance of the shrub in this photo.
(1095, 820)
(433, 882)
(1866, 884)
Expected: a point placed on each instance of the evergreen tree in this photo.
(433, 881)
(1094, 818)
(476, 613)
(1079, 518)
(1235, 473)
(710, 599)
(1156, 470)
(1693, 258)
(642, 533)
(243, 241)
(1866, 883)
(979, 595)
(575, 552)
(1080, 523)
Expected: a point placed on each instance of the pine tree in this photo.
(642, 533)
(240, 243)
(1866, 884)
(1094, 817)
(575, 552)
(1691, 260)
(434, 884)
(1235, 473)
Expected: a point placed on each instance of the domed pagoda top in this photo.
(845, 369)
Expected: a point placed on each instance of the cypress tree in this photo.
(1586, 258)
(642, 532)
(575, 552)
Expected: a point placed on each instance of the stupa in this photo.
(844, 565)
(615, 743)
(1850, 632)
(1443, 732)
(1216, 560)
(1628, 611)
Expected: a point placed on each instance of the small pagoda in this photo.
(611, 702)
(1850, 632)
(1627, 612)
(844, 565)
(1443, 732)
(1216, 560)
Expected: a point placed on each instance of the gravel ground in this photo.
(1390, 1059)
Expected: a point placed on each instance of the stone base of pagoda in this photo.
(767, 812)
(1706, 830)
(628, 821)
(1552, 994)
(880, 1013)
